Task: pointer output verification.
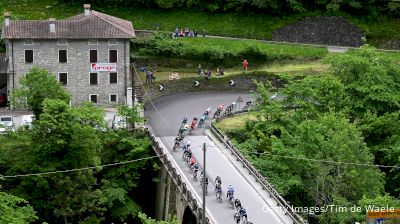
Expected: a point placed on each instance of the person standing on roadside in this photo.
(199, 70)
(245, 65)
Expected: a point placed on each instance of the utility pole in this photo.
(203, 218)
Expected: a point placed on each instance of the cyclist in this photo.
(177, 143)
(230, 192)
(187, 145)
(195, 168)
(205, 180)
(208, 111)
(192, 161)
(243, 213)
(218, 189)
(185, 120)
(236, 217)
(233, 105)
(218, 182)
(194, 121)
(202, 119)
(238, 204)
(221, 107)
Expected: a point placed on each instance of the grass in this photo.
(310, 68)
(249, 25)
(295, 51)
(235, 123)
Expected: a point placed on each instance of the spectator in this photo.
(186, 32)
(199, 70)
(195, 33)
(181, 34)
(191, 34)
(245, 65)
(218, 73)
(207, 75)
(149, 77)
(176, 32)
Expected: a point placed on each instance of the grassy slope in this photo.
(235, 123)
(227, 24)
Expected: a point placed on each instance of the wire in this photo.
(78, 169)
(151, 102)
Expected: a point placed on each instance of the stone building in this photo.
(88, 53)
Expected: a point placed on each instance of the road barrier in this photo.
(180, 182)
(297, 219)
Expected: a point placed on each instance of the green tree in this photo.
(118, 182)
(60, 142)
(15, 210)
(36, 86)
(147, 220)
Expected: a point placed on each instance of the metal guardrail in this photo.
(297, 219)
(180, 182)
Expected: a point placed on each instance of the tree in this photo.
(147, 220)
(371, 81)
(130, 113)
(15, 210)
(36, 86)
(60, 142)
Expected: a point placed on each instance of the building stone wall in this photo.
(45, 55)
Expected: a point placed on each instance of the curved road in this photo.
(165, 116)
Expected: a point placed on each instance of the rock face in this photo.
(326, 30)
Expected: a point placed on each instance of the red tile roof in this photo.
(95, 26)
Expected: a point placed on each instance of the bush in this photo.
(223, 52)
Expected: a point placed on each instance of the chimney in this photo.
(52, 25)
(7, 18)
(87, 9)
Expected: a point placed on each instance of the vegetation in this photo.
(71, 138)
(36, 86)
(223, 52)
(350, 116)
(233, 19)
(15, 210)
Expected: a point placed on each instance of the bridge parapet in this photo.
(297, 219)
(181, 184)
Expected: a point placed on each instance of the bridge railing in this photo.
(254, 172)
(179, 181)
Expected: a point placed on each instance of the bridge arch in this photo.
(189, 217)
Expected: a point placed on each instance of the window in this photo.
(93, 56)
(62, 42)
(62, 56)
(93, 98)
(93, 79)
(113, 98)
(113, 42)
(28, 42)
(93, 42)
(113, 56)
(63, 78)
(28, 56)
(113, 77)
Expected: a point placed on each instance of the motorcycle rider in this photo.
(208, 111)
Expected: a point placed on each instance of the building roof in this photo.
(95, 26)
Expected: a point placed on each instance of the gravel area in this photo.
(326, 30)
